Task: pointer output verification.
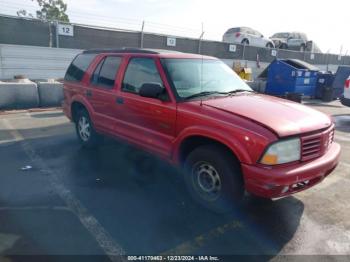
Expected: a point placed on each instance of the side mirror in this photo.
(151, 90)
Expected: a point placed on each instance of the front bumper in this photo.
(274, 182)
(345, 101)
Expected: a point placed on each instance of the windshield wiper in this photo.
(205, 93)
(240, 91)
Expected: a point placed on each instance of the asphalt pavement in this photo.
(59, 200)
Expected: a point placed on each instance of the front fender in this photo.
(221, 136)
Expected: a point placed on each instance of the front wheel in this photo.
(86, 133)
(213, 178)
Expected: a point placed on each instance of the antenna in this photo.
(199, 51)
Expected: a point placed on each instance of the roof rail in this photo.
(128, 50)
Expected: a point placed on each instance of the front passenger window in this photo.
(140, 71)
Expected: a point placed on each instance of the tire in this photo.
(213, 178)
(245, 42)
(269, 45)
(86, 133)
(283, 46)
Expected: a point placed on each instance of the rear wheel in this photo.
(214, 179)
(283, 46)
(269, 45)
(85, 131)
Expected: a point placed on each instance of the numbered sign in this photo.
(171, 41)
(232, 48)
(274, 52)
(312, 56)
(67, 30)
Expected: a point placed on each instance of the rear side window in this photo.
(106, 71)
(78, 67)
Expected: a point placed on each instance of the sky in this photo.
(324, 22)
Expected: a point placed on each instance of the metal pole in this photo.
(346, 53)
(243, 55)
(50, 33)
(142, 28)
(200, 40)
(57, 35)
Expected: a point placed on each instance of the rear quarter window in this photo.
(233, 30)
(78, 67)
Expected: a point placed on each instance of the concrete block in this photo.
(19, 94)
(50, 93)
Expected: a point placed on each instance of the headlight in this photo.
(282, 152)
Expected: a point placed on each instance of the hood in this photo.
(284, 117)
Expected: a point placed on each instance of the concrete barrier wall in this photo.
(34, 62)
(19, 95)
(44, 62)
(50, 93)
(27, 94)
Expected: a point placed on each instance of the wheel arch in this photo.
(245, 39)
(188, 143)
(78, 104)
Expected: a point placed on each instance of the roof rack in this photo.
(128, 50)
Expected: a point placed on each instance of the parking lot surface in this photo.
(59, 199)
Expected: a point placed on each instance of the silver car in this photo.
(246, 36)
(290, 40)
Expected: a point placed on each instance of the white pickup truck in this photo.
(345, 100)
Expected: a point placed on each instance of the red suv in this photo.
(196, 113)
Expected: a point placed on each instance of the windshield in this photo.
(194, 76)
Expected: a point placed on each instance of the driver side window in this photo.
(140, 71)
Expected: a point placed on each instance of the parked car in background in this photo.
(290, 40)
(247, 36)
(345, 99)
(196, 113)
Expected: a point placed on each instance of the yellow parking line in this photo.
(191, 246)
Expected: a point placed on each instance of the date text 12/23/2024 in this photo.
(173, 258)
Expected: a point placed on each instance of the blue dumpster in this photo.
(291, 76)
(324, 80)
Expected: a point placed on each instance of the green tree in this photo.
(50, 10)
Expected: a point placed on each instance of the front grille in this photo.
(315, 145)
(310, 147)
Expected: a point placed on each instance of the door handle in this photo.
(119, 100)
(88, 93)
